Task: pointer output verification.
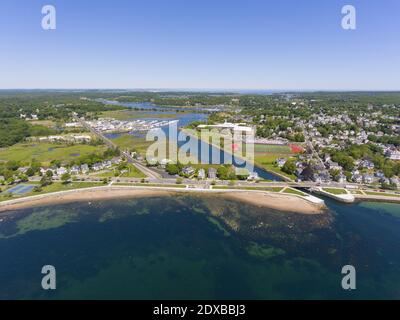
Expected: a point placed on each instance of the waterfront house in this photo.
(367, 178)
(201, 174)
(253, 176)
(341, 178)
(188, 171)
(212, 173)
(395, 181)
(97, 166)
(75, 170)
(84, 168)
(62, 170)
(357, 178)
(107, 164)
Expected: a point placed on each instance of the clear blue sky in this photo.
(220, 44)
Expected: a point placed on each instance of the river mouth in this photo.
(194, 247)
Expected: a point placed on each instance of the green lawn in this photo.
(133, 172)
(264, 148)
(335, 190)
(127, 141)
(46, 152)
(267, 162)
(385, 194)
(294, 191)
(106, 174)
(181, 186)
(271, 189)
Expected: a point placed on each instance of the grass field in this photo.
(181, 186)
(133, 172)
(267, 162)
(272, 189)
(294, 191)
(335, 190)
(265, 148)
(385, 194)
(127, 141)
(105, 174)
(45, 123)
(46, 152)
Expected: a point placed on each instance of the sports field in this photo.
(267, 148)
(21, 189)
(46, 152)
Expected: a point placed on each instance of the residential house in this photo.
(164, 162)
(393, 155)
(84, 168)
(23, 169)
(333, 165)
(253, 176)
(212, 173)
(341, 178)
(357, 178)
(395, 181)
(281, 162)
(201, 174)
(62, 170)
(188, 171)
(97, 167)
(75, 170)
(367, 178)
(367, 164)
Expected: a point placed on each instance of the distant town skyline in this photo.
(201, 45)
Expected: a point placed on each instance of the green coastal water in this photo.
(189, 247)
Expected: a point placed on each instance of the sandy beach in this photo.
(276, 201)
(81, 195)
(268, 200)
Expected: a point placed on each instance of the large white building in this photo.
(234, 127)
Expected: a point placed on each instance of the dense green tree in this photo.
(289, 167)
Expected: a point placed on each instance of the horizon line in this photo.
(231, 90)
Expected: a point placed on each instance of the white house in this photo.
(60, 171)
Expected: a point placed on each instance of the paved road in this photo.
(206, 183)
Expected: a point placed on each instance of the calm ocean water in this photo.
(188, 247)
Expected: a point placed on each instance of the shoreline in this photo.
(371, 198)
(276, 201)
